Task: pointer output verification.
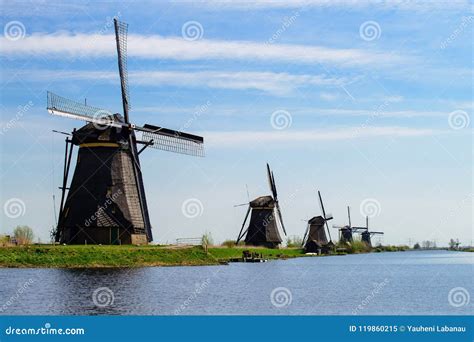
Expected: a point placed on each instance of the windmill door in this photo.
(114, 236)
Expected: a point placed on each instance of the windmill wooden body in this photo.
(105, 202)
(265, 219)
(315, 239)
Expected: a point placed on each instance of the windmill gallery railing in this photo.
(189, 241)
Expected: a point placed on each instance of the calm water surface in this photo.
(368, 284)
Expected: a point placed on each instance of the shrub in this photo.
(228, 243)
(206, 240)
(295, 241)
(357, 246)
(23, 234)
(4, 240)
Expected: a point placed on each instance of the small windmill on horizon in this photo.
(365, 234)
(346, 231)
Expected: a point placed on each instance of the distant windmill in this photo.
(315, 238)
(265, 218)
(345, 232)
(365, 233)
(106, 201)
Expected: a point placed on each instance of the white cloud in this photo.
(274, 83)
(378, 112)
(269, 82)
(237, 138)
(329, 96)
(374, 4)
(65, 45)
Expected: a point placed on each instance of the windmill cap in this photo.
(93, 132)
(262, 201)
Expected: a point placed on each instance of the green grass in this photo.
(390, 248)
(136, 256)
(102, 256)
(225, 253)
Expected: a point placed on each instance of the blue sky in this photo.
(369, 103)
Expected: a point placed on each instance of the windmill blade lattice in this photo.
(277, 205)
(121, 32)
(173, 141)
(61, 106)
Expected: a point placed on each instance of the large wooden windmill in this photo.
(263, 228)
(315, 239)
(106, 201)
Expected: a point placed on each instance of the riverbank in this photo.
(94, 256)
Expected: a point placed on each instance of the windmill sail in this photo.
(173, 141)
(326, 217)
(61, 106)
(160, 138)
(121, 31)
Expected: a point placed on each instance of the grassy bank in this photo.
(102, 256)
(136, 256)
(225, 253)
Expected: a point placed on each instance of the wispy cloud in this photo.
(269, 82)
(353, 4)
(379, 112)
(65, 45)
(238, 138)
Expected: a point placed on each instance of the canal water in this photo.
(401, 283)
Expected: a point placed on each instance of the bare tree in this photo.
(23, 234)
